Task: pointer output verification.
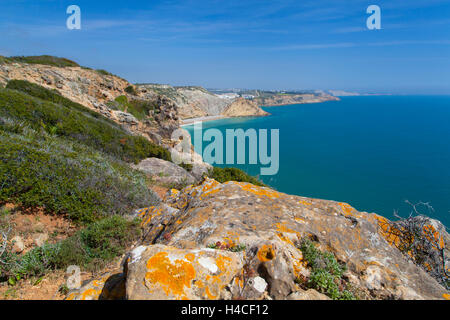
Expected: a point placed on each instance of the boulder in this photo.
(310, 294)
(160, 272)
(270, 225)
(109, 286)
(165, 172)
(39, 239)
(17, 244)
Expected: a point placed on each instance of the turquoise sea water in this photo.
(373, 152)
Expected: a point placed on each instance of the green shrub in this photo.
(74, 121)
(130, 90)
(326, 272)
(104, 72)
(232, 174)
(64, 177)
(91, 248)
(46, 60)
(138, 108)
(97, 244)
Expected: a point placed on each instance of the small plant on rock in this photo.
(326, 272)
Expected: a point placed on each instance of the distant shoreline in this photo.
(187, 122)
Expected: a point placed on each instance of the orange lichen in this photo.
(222, 262)
(387, 231)
(209, 294)
(434, 237)
(446, 296)
(173, 277)
(91, 293)
(259, 191)
(346, 208)
(282, 228)
(266, 253)
(190, 256)
(306, 203)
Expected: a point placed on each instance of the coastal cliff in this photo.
(86, 158)
(287, 99)
(150, 109)
(197, 102)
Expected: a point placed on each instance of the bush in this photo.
(66, 118)
(138, 108)
(90, 248)
(420, 240)
(46, 60)
(40, 170)
(99, 243)
(326, 272)
(130, 90)
(233, 174)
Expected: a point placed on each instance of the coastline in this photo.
(187, 122)
(190, 121)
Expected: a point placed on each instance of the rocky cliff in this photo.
(242, 108)
(97, 89)
(196, 102)
(286, 99)
(239, 241)
(235, 240)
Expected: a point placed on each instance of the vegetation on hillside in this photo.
(38, 169)
(63, 117)
(44, 59)
(138, 108)
(233, 174)
(91, 249)
(326, 272)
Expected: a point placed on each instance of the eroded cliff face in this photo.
(286, 99)
(175, 259)
(243, 108)
(94, 90)
(196, 102)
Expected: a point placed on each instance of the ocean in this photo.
(373, 152)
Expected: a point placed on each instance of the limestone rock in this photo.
(109, 286)
(160, 272)
(310, 294)
(271, 224)
(17, 244)
(165, 171)
(125, 117)
(243, 108)
(40, 238)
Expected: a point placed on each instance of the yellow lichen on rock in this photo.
(266, 253)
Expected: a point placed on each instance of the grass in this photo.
(233, 174)
(91, 249)
(44, 59)
(226, 246)
(326, 272)
(138, 108)
(46, 109)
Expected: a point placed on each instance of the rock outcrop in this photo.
(165, 172)
(197, 102)
(237, 240)
(243, 108)
(286, 99)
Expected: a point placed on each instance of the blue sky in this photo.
(299, 44)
